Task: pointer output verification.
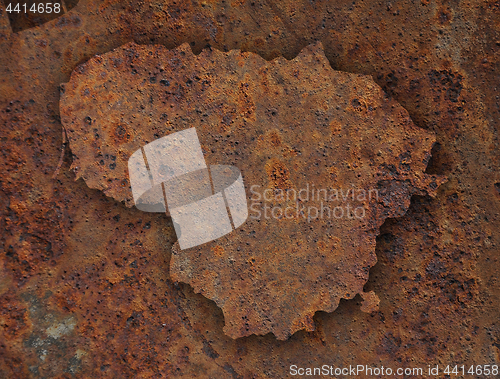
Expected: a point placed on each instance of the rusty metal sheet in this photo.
(326, 157)
(73, 260)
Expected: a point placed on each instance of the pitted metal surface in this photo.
(85, 289)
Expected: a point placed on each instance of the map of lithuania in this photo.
(326, 158)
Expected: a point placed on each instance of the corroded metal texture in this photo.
(85, 289)
(326, 147)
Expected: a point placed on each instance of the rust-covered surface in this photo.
(326, 157)
(85, 289)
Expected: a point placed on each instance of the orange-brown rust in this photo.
(93, 260)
